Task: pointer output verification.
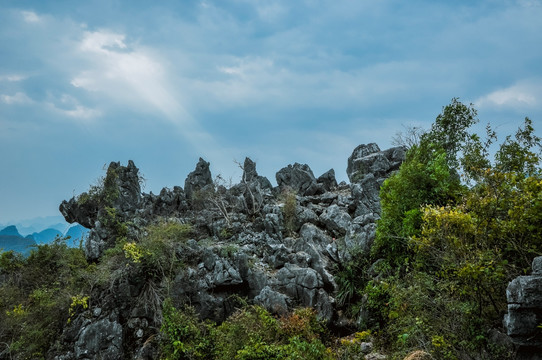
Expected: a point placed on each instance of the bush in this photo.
(289, 211)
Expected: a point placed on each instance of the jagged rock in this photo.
(305, 215)
(366, 196)
(524, 296)
(251, 175)
(168, 202)
(273, 301)
(101, 339)
(315, 235)
(360, 152)
(315, 260)
(336, 220)
(219, 272)
(272, 223)
(369, 160)
(278, 255)
(302, 284)
(300, 179)
(124, 184)
(328, 180)
(114, 202)
(198, 179)
(361, 233)
(249, 170)
(241, 249)
(83, 213)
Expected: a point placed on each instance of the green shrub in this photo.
(289, 211)
(183, 335)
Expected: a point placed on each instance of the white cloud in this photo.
(70, 107)
(102, 41)
(30, 17)
(81, 112)
(12, 77)
(521, 95)
(132, 76)
(18, 98)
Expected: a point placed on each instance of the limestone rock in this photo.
(101, 339)
(369, 160)
(336, 220)
(198, 179)
(328, 180)
(273, 301)
(300, 178)
(524, 296)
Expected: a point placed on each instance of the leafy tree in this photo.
(426, 177)
(461, 242)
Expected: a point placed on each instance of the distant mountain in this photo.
(37, 225)
(46, 236)
(10, 231)
(76, 234)
(10, 239)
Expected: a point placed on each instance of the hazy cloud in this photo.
(128, 74)
(520, 95)
(30, 17)
(12, 77)
(16, 99)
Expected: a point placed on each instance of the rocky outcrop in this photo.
(369, 160)
(198, 179)
(522, 322)
(299, 178)
(241, 245)
(367, 169)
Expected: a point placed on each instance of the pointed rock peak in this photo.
(328, 180)
(199, 178)
(249, 170)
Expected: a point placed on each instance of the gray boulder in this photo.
(273, 301)
(101, 339)
(328, 180)
(360, 152)
(368, 159)
(300, 178)
(336, 220)
(366, 196)
(524, 296)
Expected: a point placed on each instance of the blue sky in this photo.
(163, 83)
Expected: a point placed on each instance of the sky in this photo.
(84, 83)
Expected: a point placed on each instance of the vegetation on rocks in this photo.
(455, 229)
(411, 260)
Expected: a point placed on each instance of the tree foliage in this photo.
(454, 242)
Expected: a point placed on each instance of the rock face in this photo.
(198, 179)
(299, 178)
(369, 160)
(524, 295)
(241, 245)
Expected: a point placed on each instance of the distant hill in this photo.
(10, 231)
(10, 239)
(46, 236)
(76, 233)
(36, 225)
